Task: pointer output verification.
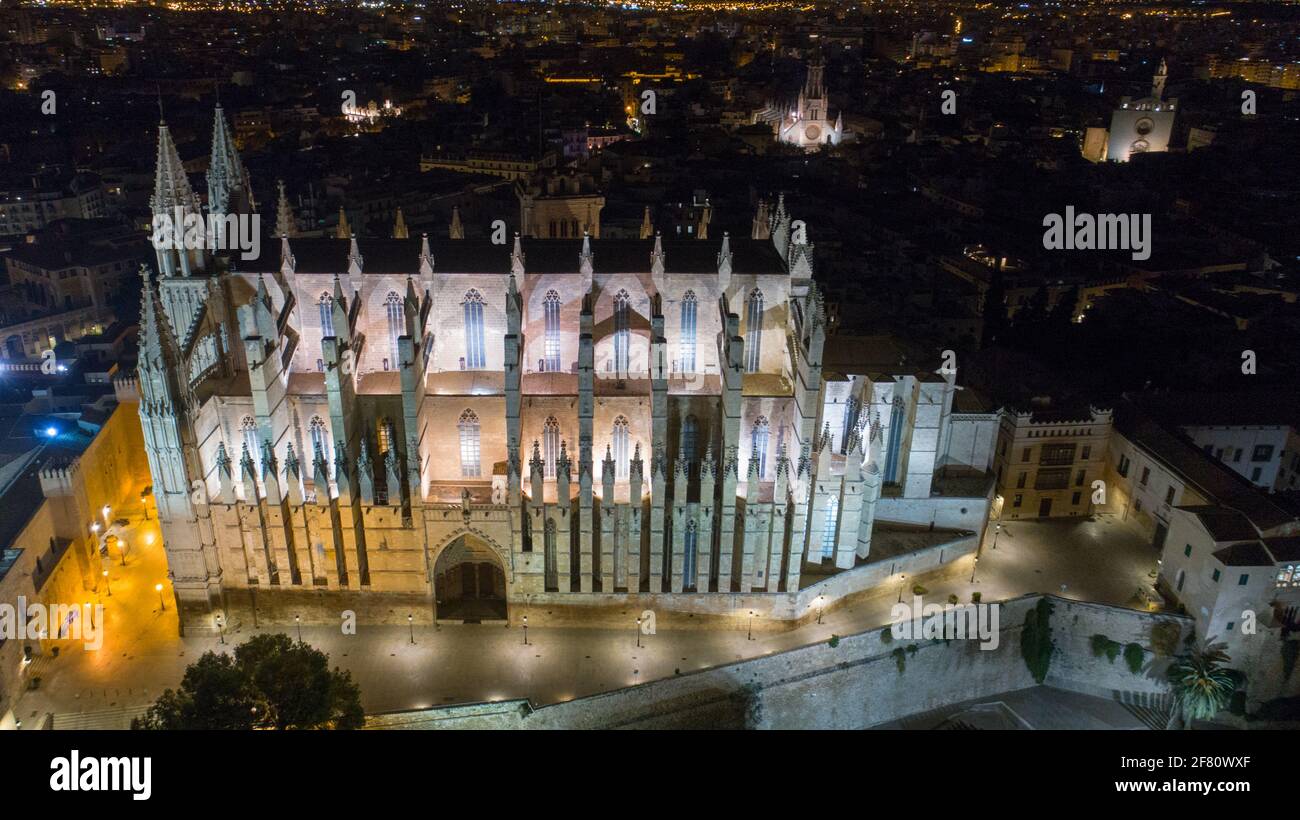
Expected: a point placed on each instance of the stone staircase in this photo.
(1152, 710)
(119, 718)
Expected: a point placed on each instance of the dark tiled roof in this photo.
(402, 256)
(1245, 554)
(1223, 524)
(1285, 547)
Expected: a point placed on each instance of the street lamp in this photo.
(298, 620)
(974, 566)
(106, 510)
(902, 584)
(107, 585)
(410, 622)
(638, 633)
(221, 626)
(161, 606)
(820, 607)
(526, 630)
(997, 528)
(750, 636)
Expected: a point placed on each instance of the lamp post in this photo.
(638, 633)
(974, 566)
(750, 636)
(107, 584)
(106, 510)
(410, 622)
(997, 528)
(162, 607)
(221, 627)
(902, 584)
(297, 619)
(526, 630)
(820, 607)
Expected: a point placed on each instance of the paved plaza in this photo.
(1101, 560)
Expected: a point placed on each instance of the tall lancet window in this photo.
(762, 431)
(248, 428)
(687, 343)
(850, 422)
(550, 445)
(469, 445)
(622, 332)
(620, 448)
(394, 307)
(828, 527)
(386, 436)
(688, 556)
(689, 434)
(475, 358)
(552, 311)
(326, 316)
(320, 440)
(754, 331)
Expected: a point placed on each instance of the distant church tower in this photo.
(808, 124)
(1142, 126)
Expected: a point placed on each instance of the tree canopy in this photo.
(271, 682)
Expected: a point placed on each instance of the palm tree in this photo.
(1201, 684)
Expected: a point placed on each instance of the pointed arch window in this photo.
(248, 429)
(386, 437)
(620, 448)
(326, 316)
(689, 435)
(320, 440)
(475, 358)
(551, 309)
(850, 422)
(687, 343)
(393, 305)
(622, 331)
(470, 466)
(754, 331)
(761, 434)
(550, 445)
(828, 527)
(688, 555)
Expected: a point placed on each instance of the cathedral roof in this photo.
(402, 256)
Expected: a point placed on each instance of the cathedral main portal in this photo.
(470, 582)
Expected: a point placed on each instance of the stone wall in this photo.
(853, 685)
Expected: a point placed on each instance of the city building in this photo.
(1144, 125)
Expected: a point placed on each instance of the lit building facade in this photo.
(470, 425)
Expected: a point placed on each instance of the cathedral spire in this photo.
(586, 259)
(762, 228)
(457, 230)
(517, 257)
(426, 256)
(228, 188)
(343, 231)
(647, 227)
(285, 223)
(706, 216)
(172, 198)
(399, 226)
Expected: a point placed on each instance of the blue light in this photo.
(51, 431)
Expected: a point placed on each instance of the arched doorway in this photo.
(470, 582)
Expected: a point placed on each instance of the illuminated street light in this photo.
(820, 607)
(410, 621)
(161, 606)
(638, 633)
(221, 627)
(997, 528)
(974, 567)
(108, 585)
(750, 636)
(526, 630)
(298, 620)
